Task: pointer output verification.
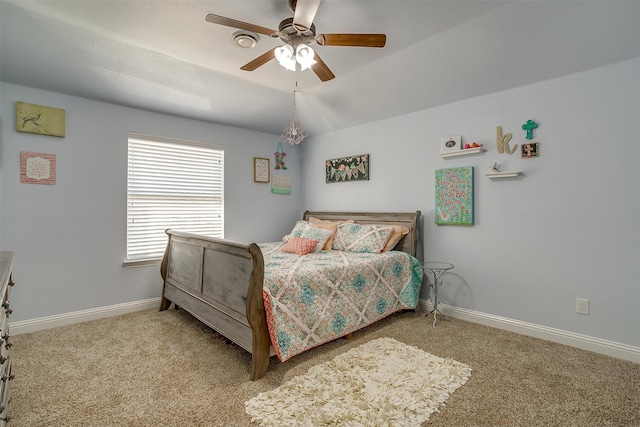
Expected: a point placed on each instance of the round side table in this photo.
(436, 269)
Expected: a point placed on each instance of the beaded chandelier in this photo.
(294, 133)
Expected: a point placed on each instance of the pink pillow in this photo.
(300, 245)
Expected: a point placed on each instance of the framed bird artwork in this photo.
(38, 119)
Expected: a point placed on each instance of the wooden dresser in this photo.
(6, 263)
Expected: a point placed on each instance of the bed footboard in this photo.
(220, 283)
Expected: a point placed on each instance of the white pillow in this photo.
(319, 234)
(297, 230)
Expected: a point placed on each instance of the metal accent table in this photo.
(437, 269)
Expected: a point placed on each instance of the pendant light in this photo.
(294, 133)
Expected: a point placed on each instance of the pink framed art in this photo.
(37, 168)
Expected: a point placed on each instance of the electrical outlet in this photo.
(582, 305)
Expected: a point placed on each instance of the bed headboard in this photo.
(409, 243)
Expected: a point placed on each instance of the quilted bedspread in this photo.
(316, 298)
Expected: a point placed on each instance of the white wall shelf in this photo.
(499, 175)
(466, 152)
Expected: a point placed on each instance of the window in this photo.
(171, 184)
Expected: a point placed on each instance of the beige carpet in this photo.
(155, 368)
(380, 383)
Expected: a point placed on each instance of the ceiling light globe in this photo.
(305, 56)
(284, 52)
(284, 55)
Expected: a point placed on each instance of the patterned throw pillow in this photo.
(319, 234)
(329, 225)
(361, 238)
(300, 245)
(297, 230)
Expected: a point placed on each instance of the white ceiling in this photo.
(162, 55)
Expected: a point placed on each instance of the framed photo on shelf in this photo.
(451, 143)
(261, 169)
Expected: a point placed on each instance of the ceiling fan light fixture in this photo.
(297, 33)
(286, 58)
(245, 39)
(304, 56)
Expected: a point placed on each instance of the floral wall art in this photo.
(454, 196)
(352, 168)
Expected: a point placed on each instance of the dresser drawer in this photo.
(5, 379)
(4, 347)
(6, 283)
(4, 329)
(5, 309)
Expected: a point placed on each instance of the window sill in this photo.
(127, 263)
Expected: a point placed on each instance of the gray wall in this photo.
(69, 238)
(569, 227)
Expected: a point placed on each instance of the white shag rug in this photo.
(381, 383)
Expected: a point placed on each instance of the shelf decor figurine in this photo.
(496, 174)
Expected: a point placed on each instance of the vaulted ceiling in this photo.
(161, 55)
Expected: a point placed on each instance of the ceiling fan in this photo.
(298, 33)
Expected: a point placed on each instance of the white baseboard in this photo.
(584, 342)
(41, 323)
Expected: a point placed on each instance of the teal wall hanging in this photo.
(454, 196)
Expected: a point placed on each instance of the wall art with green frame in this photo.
(454, 196)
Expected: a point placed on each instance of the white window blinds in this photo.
(171, 184)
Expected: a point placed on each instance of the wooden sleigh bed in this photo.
(220, 282)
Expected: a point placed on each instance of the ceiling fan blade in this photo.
(221, 20)
(259, 61)
(305, 13)
(355, 40)
(322, 71)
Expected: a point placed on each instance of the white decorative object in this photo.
(381, 383)
(497, 174)
(476, 150)
(502, 175)
(451, 143)
(294, 133)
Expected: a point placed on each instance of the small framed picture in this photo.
(451, 143)
(38, 119)
(260, 169)
(37, 168)
(530, 150)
